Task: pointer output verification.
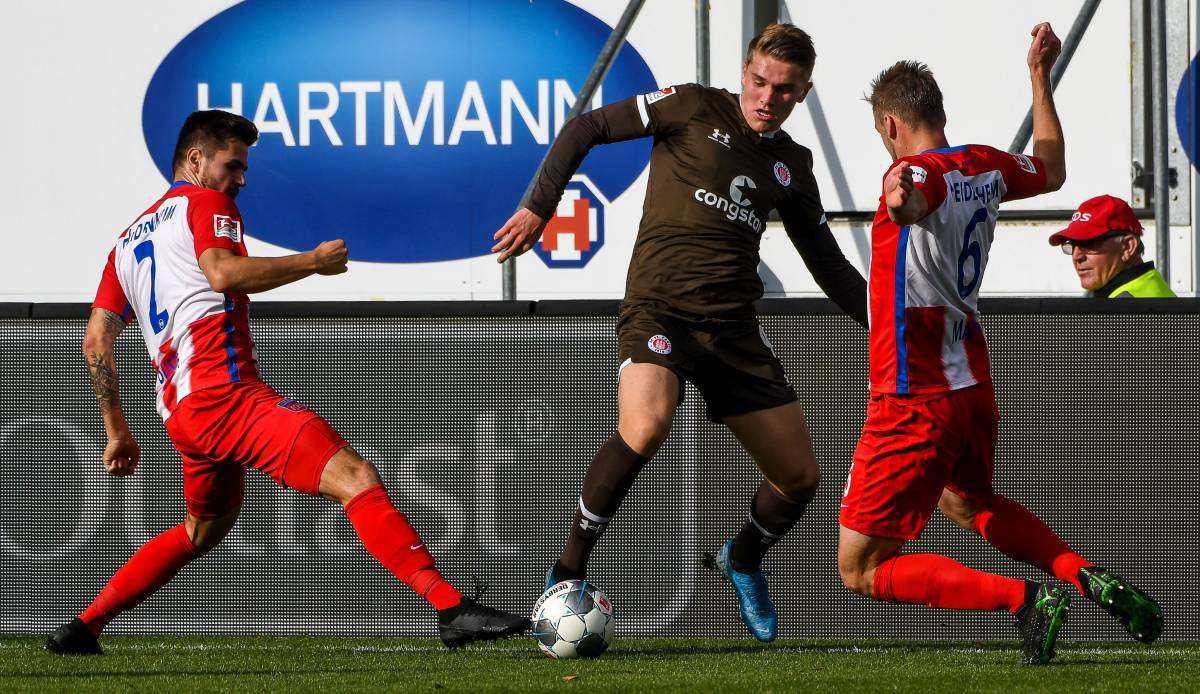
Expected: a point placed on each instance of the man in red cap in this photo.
(1105, 244)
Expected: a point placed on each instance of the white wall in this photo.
(78, 170)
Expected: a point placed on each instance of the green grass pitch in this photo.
(230, 664)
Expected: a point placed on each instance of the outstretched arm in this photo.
(229, 272)
(1048, 142)
(121, 454)
(625, 120)
(835, 275)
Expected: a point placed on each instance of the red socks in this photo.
(1012, 529)
(389, 538)
(146, 571)
(937, 581)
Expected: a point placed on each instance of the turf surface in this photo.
(194, 664)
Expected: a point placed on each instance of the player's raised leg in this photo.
(647, 395)
(385, 532)
(872, 566)
(150, 568)
(778, 440)
(1014, 530)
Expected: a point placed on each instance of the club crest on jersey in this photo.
(918, 174)
(1025, 163)
(659, 344)
(659, 95)
(227, 227)
(576, 231)
(783, 174)
(291, 405)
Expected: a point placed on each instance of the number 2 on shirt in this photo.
(158, 319)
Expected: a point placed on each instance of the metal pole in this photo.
(1162, 193)
(702, 47)
(608, 55)
(1060, 66)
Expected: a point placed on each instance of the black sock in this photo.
(771, 516)
(605, 485)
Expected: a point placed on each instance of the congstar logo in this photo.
(737, 207)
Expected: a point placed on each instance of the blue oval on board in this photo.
(410, 128)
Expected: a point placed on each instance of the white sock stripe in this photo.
(641, 105)
(763, 530)
(591, 516)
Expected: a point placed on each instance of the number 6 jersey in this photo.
(924, 279)
(197, 338)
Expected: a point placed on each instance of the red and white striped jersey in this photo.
(197, 338)
(924, 278)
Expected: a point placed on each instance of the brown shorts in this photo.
(731, 363)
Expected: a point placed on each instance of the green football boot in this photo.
(1039, 622)
(1137, 612)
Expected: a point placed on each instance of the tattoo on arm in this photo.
(104, 381)
(101, 365)
(113, 323)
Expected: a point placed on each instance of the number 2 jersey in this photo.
(925, 276)
(197, 338)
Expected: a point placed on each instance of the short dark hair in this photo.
(785, 42)
(211, 131)
(909, 91)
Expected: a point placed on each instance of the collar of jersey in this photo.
(176, 184)
(945, 150)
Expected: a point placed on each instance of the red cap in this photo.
(1097, 217)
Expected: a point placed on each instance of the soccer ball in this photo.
(573, 619)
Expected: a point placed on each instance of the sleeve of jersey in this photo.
(929, 177)
(637, 116)
(109, 295)
(1024, 177)
(216, 223)
(804, 221)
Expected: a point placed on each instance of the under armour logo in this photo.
(719, 137)
(590, 527)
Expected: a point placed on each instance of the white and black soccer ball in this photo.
(573, 619)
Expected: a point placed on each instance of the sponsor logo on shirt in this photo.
(227, 227)
(720, 137)
(659, 95)
(783, 174)
(659, 344)
(918, 174)
(737, 207)
(291, 405)
(1025, 163)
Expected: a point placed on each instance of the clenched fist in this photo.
(331, 257)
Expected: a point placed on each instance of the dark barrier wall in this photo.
(483, 424)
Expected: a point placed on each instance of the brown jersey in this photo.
(713, 182)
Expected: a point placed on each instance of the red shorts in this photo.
(223, 430)
(913, 447)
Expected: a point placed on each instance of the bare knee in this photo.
(959, 510)
(347, 475)
(859, 556)
(857, 577)
(799, 482)
(207, 533)
(646, 433)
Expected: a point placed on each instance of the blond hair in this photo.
(785, 42)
